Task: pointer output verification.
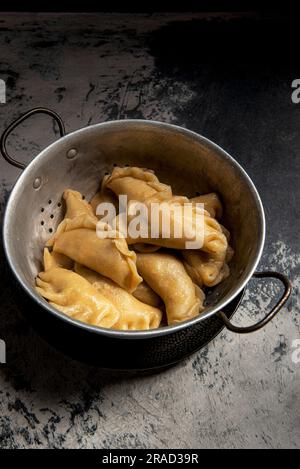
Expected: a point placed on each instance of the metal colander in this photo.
(190, 163)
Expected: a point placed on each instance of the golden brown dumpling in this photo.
(135, 315)
(141, 185)
(110, 257)
(104, 195)
(194, 224)
(73, 295)
(76, 205)
(137, 183)
(211, 203)
(62, 261)
(167, 276)
(208, 269)
(205, 268)
(146, 295)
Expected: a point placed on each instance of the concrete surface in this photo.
(240, 391)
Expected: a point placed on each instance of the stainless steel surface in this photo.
(184, 159)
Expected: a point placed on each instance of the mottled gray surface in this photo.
(240, 391)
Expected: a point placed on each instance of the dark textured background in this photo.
(229, 78)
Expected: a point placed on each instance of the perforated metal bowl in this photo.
(190, 163)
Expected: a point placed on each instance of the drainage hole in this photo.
(42, 209)
(51, 216)
(50, 230)
(42, 222)
(49, 201)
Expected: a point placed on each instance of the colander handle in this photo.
(22, 118)
(255, 327)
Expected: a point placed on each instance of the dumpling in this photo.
(104, 195)
(76, 205)
(135, 315)
(73, 295)
(110, 257)
(142, 186)
(62, 261)
(137, 183)
(146, 295)
(208, 268)
(205, 268)
(167, 276)
(191, 225)
(211, 203)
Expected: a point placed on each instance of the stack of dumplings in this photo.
(132, 284)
